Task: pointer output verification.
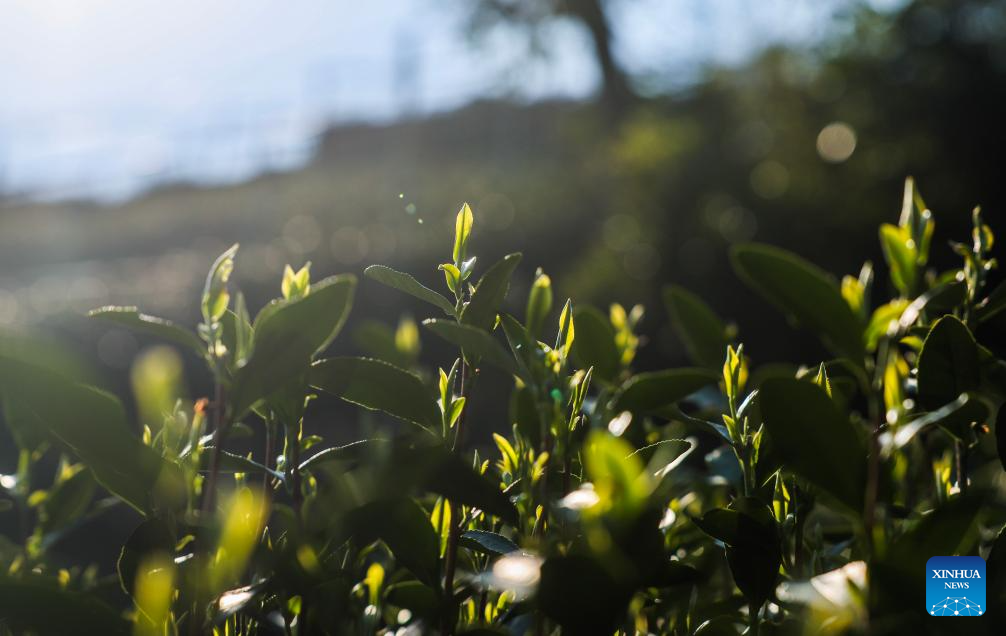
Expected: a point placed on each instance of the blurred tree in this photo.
(534, 15)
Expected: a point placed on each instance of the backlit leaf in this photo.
(594, 345)
(406, 283)
(93, 425)
(38, 606)
(948, 363)
(489, 293)
(477, 344)
(698, 327)
(814, 439)
(802, 290)
(377, 385)
(405, 529)
(287, 335)
(131, 318)
(646, 392)
(487, 542)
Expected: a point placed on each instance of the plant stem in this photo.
(293, 448)
(270, 428)
(220, 426)
(21, 494)
(872, 483)
(464, 389)
(548, 444)
(454, 534)
(293, 434)
(872, 391)
(961, 459)
(753, 619)
(801, 519)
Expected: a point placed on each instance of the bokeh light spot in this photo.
(349, 245)
(770, 179)
(836, 142)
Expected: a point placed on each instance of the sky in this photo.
(102, 98)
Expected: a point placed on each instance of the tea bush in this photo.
(716, 499)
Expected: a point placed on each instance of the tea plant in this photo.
(716, 499)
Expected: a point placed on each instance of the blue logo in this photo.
(955, 586)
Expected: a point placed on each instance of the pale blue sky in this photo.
(102, 97)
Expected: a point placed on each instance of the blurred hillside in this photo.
(802, 148)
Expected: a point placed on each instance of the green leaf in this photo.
(216, 297)
(666, 455)
(594, 345)
(378, 386)
(440, 519)
(721, 524)
(131, 318)
(647, 392)
(945, 298)
(231, 462)
(716, 428)
(454, 413)
(755, 555)
(34, 605)
(814, 439)
(237, 333)
(476, 343)
(452, 276)
(567, 332)
(808, 294)
(881, 321)
(524, 347)
(296, 284)
(949, 529)
(152, 536)
(490, 293)
(353, 451)
(901, 255)
(377, 340)
(92, 424)
(523, 411)
(725, 625)
(993, 304)
(948, 363)
(956, 418)
(406, 283)
(462, 231)
(38, 350)
(437, 470)
(405, 529)
(752, 538)
(68, 499)
(487, 542)
(287, 335)
(466, 268)
(699, 328)
(539, 303)
(20, 421)
(938, 300)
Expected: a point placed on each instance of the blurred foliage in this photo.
(790, 499)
